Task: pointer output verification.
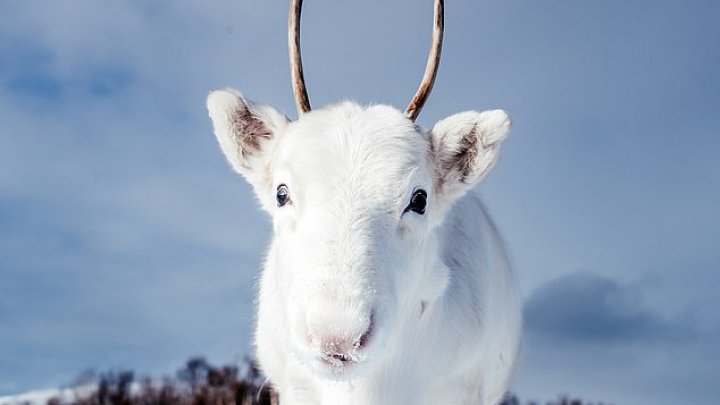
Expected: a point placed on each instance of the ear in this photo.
(465, 148)
(247, 134)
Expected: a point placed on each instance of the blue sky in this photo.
(126, 241)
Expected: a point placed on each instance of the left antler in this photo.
(298, 78)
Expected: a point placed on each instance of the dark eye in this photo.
(282, 197)
(418, 202)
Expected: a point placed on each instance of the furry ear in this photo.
(465, 148)
(247, 133)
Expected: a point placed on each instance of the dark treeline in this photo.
(200, 383)
(197, 383)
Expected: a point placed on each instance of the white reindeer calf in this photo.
(386, 282)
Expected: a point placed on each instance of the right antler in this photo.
(418, 101)
(423, 92)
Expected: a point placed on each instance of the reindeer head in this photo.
(355, 194)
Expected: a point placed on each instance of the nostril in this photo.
(365, 338)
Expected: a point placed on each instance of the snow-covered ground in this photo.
(40, 397)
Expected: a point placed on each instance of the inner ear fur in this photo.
(465, 147)
(246, 133)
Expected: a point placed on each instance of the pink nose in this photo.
(338, 350)
(338, 345)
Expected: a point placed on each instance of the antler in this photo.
(431, 68)
(298, 78)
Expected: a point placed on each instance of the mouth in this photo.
(337, 366)
(338, 363)
(340, 360)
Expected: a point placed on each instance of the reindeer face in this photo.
(348, 188)
(355, 194)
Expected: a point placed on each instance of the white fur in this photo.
(360, 303)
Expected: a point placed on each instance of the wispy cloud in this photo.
(587, 308)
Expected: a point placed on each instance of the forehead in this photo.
(345, 144)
